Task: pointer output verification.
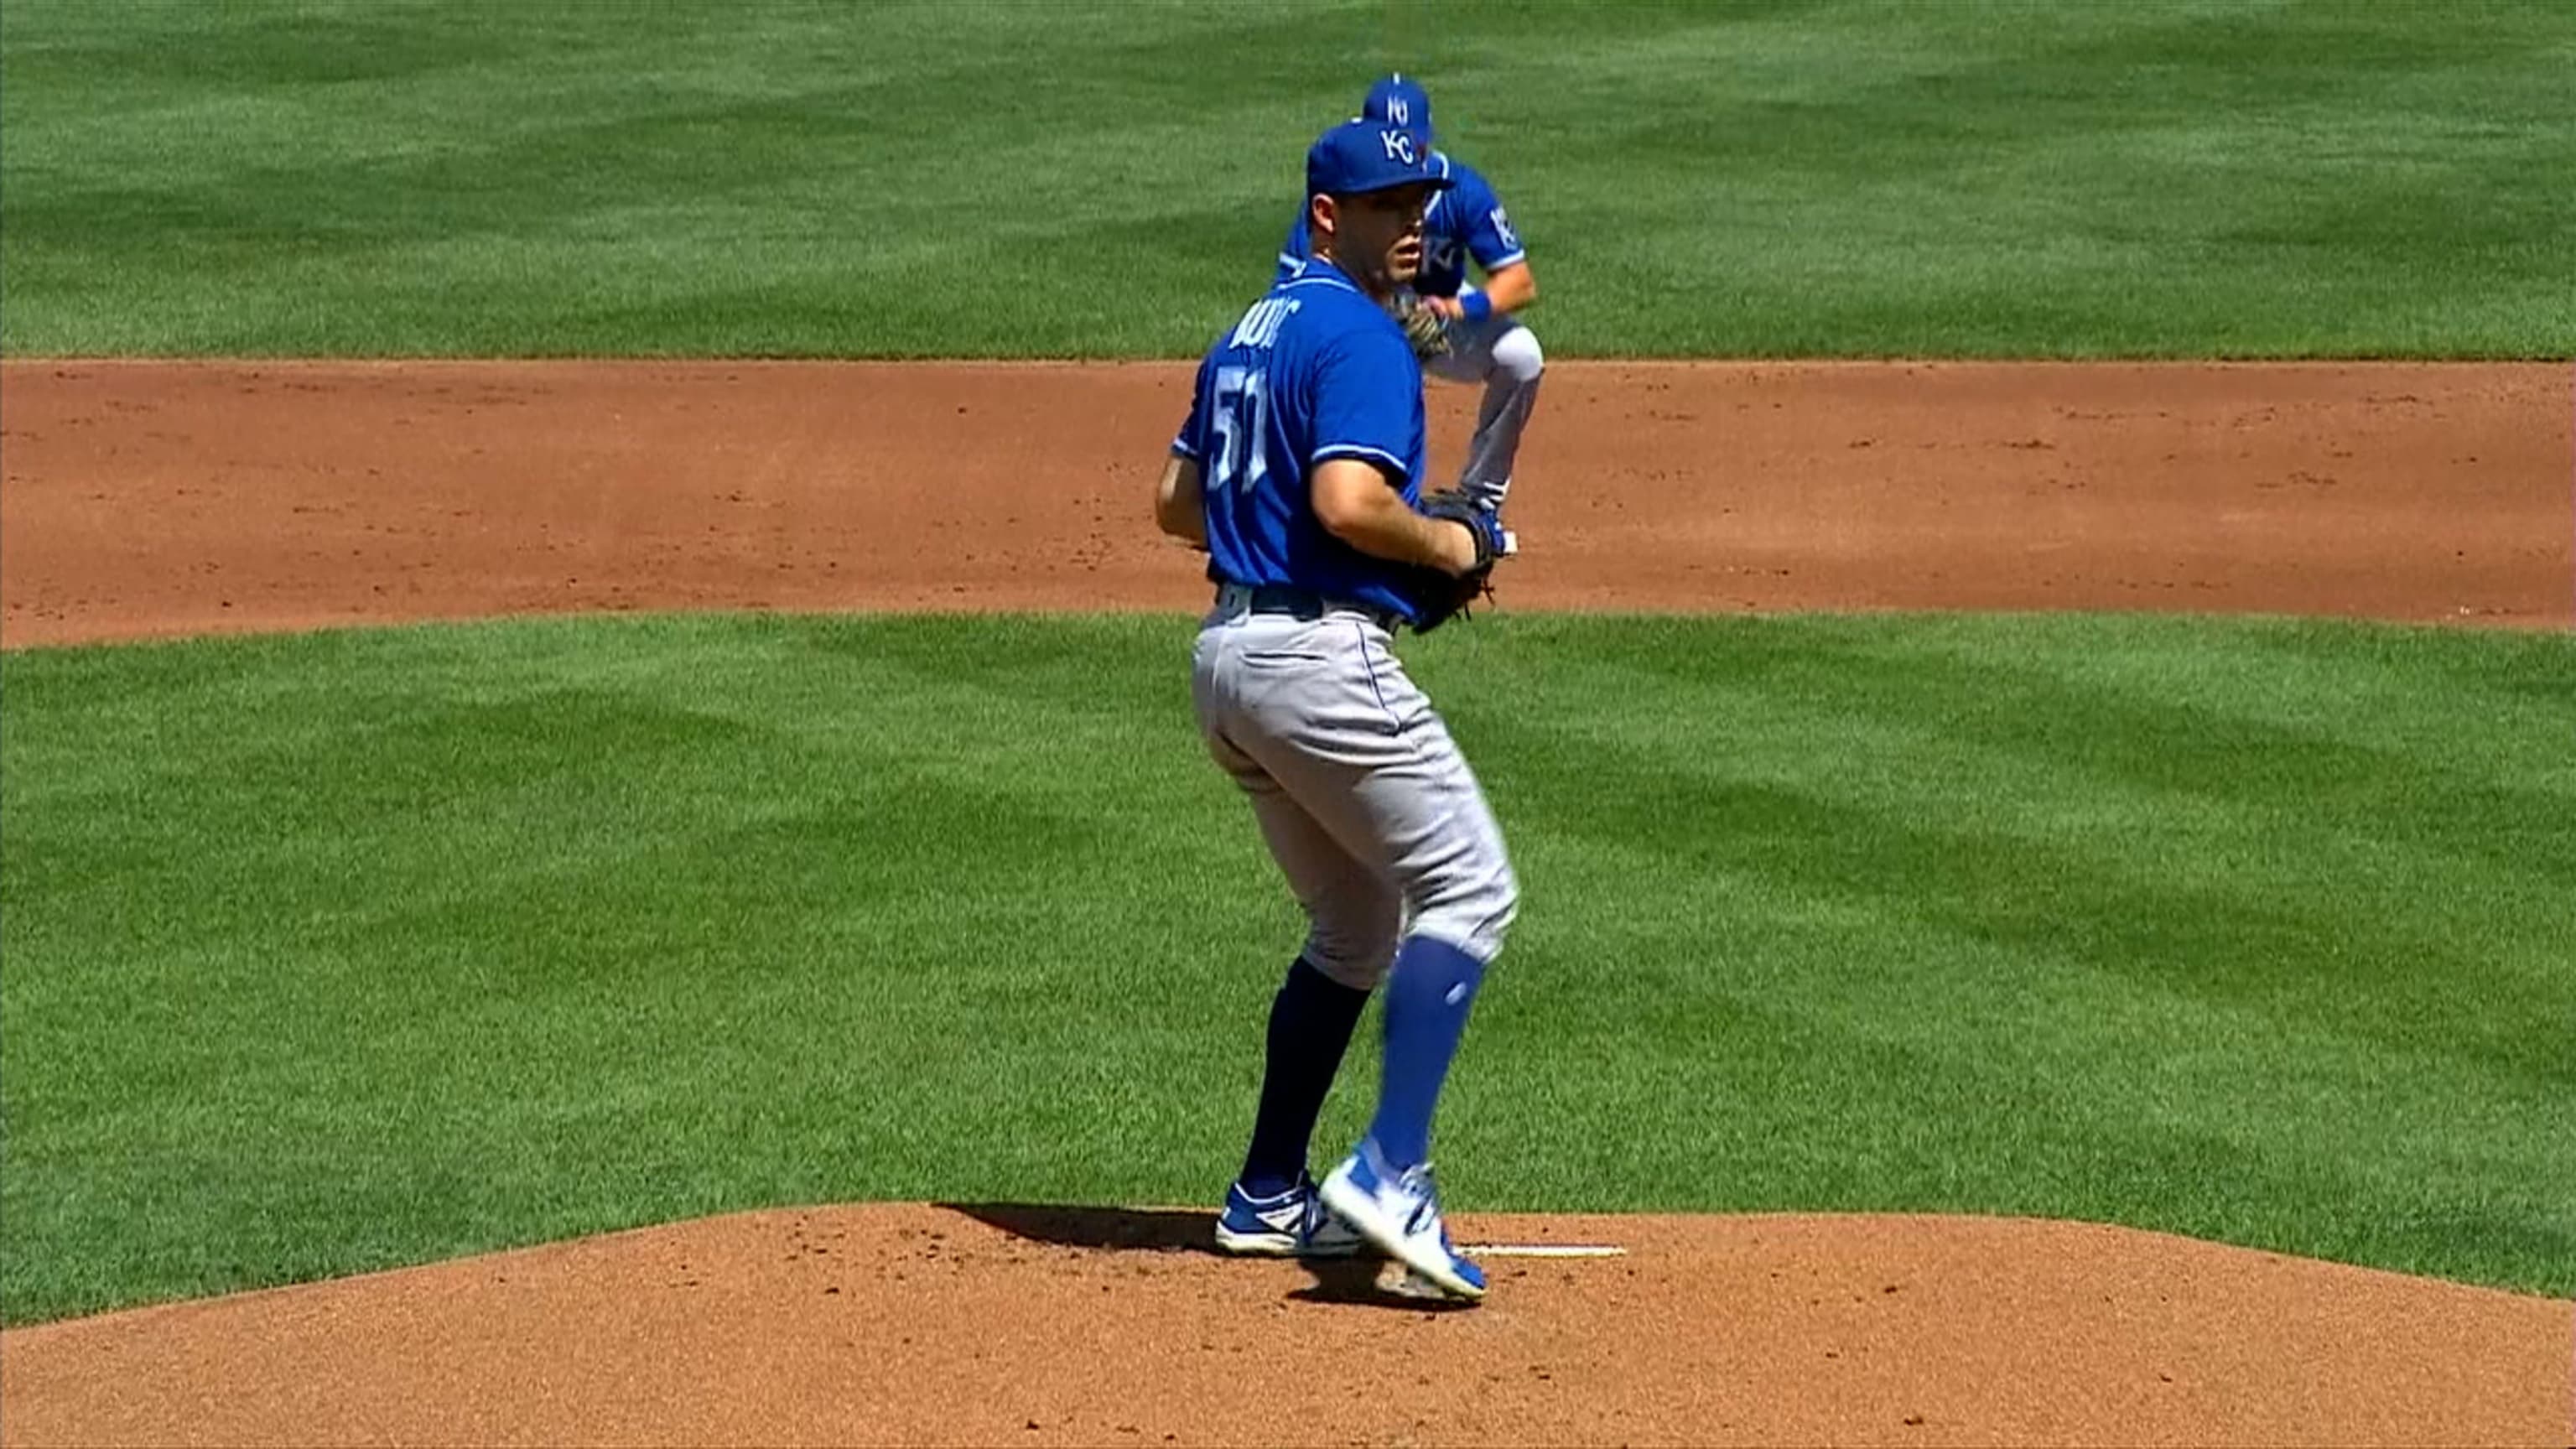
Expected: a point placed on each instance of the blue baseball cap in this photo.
(1399, 102)
(1361, 156)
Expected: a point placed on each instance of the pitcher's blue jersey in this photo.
(1465, 221)
(1313, 371)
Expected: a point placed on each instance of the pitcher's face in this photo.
(1376, 235)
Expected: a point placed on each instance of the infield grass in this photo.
(334, 952)
(977, 178)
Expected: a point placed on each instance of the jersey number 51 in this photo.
(1242, 417)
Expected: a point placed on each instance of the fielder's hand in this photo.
(1425, 326)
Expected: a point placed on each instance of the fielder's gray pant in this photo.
(1363, 798)
(1503, 355)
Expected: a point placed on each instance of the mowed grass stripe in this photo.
(1844, 177)
(339, 951)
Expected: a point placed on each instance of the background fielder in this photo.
(1487, 341)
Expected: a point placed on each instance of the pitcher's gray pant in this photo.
(1362, 797)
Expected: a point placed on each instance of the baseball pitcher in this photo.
(1299, 471)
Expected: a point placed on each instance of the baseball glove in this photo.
(1426, 329)
(1439, 597)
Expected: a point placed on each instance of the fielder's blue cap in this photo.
(1364, 155)
(1399, 102)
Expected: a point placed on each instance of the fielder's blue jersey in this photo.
(1314, 371)
(1464, 221)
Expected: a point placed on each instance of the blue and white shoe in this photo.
(1399, 1213)
(1292, 1224)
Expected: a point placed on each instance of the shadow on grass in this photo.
(1352, 1281)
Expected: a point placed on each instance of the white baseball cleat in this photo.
(1399, 1213)
(1291, 1224)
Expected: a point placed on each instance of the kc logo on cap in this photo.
(1360, 155)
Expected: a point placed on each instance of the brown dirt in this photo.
(917, 1325)
(164, 499)
(148, 499)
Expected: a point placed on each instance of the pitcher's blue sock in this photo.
(1310, 1027)
(1427, 998)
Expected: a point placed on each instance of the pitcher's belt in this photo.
(1300, 604)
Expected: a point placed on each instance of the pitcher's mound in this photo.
(1014, 1325)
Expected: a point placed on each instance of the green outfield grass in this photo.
(1847, 177)
(333, 952)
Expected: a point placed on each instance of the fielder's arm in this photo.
(1513, 288)
(1354, 503)
(1178, 508)
(1509, 290)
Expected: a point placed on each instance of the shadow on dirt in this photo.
(1075, 1225)
(1352, 1281)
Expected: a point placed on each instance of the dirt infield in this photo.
(999, 1325)
(155, 500)
(167, 499)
